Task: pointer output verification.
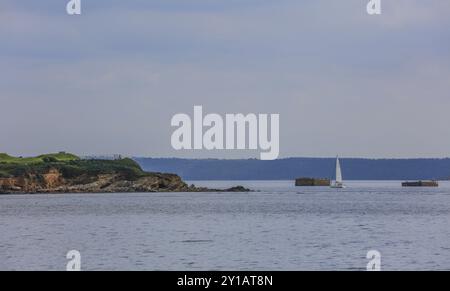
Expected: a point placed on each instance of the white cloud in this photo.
(111, 80)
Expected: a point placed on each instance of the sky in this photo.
(110, 80)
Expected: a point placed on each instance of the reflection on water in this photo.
(281, 227)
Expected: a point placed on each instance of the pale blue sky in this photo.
(109, 81)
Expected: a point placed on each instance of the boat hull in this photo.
(337, 186)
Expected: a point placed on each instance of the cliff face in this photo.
(53, 181)
(31, 182)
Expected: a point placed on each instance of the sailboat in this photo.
(338, 183)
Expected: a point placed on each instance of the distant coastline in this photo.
(292, 168)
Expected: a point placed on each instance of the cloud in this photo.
(110, 80)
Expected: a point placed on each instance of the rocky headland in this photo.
(66, 173)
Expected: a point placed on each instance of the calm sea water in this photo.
(279, 228)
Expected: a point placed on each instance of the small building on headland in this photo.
(421, 184)
(305, 182)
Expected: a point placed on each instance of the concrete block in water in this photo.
(312, 182)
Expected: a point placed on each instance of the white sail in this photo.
(338, 172)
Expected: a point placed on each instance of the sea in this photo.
(276, 227)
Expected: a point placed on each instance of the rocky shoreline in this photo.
(53, 175)
(54, 182)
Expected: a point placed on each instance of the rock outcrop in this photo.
(53, 182)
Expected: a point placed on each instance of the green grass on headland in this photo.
(61, 157)
(69, 165)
